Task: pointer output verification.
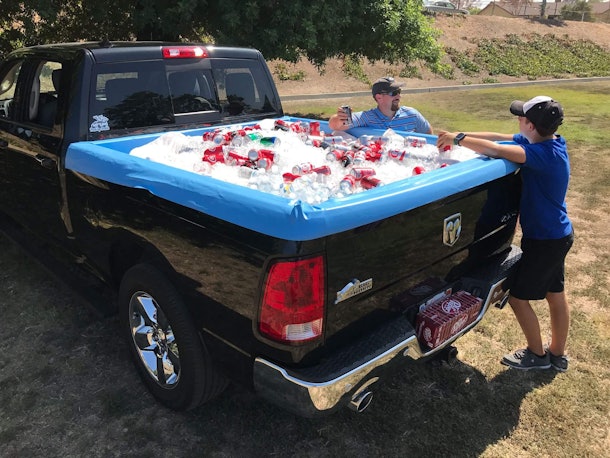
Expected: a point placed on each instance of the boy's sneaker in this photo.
(525, 360)
(559, 362)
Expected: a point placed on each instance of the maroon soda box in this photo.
(445, 318)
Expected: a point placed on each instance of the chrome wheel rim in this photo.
(154, 340)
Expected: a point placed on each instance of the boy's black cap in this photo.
(386, 84)
(542, 111)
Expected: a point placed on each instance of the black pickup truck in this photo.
(308, 304)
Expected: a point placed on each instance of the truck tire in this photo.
(165, 346)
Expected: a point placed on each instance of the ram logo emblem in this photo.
(452, 227)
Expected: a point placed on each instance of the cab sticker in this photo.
(100, 124)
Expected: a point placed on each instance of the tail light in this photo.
(184, 52)
(292, 309)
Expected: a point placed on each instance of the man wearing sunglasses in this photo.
(389, 114)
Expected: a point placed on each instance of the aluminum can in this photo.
(334, 139)
(270, 141)
(397, 154)
(370, 182)
(314, 128)
(334, 155)
(415, 142)
(348, 111)
(348, 183)
(322, 170)
(418, 170)
(361, 172)
(303, 168)
(234, 158)
(213, 155)
(281, 125)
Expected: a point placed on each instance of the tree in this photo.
(578, 11)
(389, 30)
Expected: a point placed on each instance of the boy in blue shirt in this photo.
(547, 230)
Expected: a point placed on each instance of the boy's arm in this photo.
(485, 143)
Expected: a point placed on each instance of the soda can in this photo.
(418, 170)
(280, 124)
(334, 155)
(270, 141)
(290, 177)
(314, 128)
(214, 155)
(348, 183)
(361, 172)
(334, 139)
(370, 182)
(415, 142)
(347, 160)
(322, 170)
(365, 140)
(234, 158)
(244, 171)
(397, 154)
(253, 154)
(358, 157)
(348, 111)
(303, 168)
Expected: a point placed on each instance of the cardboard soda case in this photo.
(446, 317)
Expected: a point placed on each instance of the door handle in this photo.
(46, 162)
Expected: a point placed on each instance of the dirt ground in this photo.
(458, 33)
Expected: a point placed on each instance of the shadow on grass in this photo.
(426, 410)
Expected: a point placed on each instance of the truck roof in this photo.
(117, 51)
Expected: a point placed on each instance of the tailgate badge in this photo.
(452, 227)
(353, 288)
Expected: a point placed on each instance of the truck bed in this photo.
(272, 215)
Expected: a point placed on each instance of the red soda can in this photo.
(418, 170)
(359, 157)
(267, 154)
(213, 155)
(314, 128)
(397, 154)
(348, 183)
(373, 156)
(334, 155)
(303, 168)
(347, 159)
(234, 158)
(209, 135)
(370, 182)
(290, 177)
(322, 170)
(281, 125)
(361, 172)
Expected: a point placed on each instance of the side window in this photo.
(7, 90)
(45, 94)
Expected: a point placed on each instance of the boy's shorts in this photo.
(541, 268)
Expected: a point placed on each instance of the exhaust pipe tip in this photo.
(360, 401)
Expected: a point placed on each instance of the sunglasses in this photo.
(394, 93)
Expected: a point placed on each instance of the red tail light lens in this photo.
(292, 310)
(184, 52)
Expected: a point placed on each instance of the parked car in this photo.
(434, 7)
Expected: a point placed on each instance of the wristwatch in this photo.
(458, 138)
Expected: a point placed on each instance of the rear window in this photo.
(142, 94)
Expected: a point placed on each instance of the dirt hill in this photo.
(457, 32)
